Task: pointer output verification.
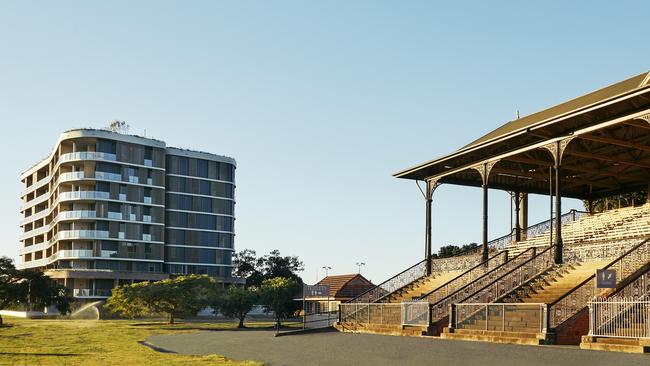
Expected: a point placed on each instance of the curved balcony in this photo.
(35, 247)
(36, 216)
(64, 177)
(37, 200)
(87, 155)
(33, 263)
(82, 234)
(36, 185)
(77, 214)
(83, 195)
(71, 254)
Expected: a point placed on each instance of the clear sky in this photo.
(319, 102)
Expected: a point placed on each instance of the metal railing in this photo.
(440, 308)
(514, 278)
(596, 251)
(505, 317)
(577, 299)
(460, 262)
(371, 313)
(620, 317)
(465, 278)
(415, 313)
(392, 284)
(538, 229)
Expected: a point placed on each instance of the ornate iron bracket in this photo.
(557, 148)
(484, 169)
(645, 117)
(431, 186)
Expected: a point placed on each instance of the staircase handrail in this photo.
(422, 262)
(440, 308)
(507, 285)
(364, 295)
(468, 273)
(584, 291)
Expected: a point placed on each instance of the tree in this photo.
(29, 287)
(618, 201)
(184, 295)
(237, 302)
(119, 127)
(452, 250)
(256, 270)
(278, 294)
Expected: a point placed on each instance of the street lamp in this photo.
(327, 270)
(359, 264)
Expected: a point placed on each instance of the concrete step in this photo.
(493, 337)
(614, 345)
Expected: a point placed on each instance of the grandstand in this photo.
(537, 284)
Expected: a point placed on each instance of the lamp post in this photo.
(359, 264)
(327, 270)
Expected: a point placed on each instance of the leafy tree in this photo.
(277, 295)
(452, 250)
(618, 201)
(184, 295)
(237, 302)
(256, 270)
(29, 287)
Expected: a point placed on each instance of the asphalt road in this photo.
(334, 348)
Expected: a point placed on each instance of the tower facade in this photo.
(106, 208)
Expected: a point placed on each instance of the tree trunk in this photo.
(171, 318)
(241, 322)
(1, 323)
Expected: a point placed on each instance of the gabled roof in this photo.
(348, 285)
(566, 107)
(552, 122)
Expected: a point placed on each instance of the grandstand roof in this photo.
(608, 151)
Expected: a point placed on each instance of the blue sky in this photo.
(319, 102)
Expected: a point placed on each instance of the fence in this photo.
(620, 317)
(406, 313)
(505, 317)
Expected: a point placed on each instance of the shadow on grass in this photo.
(155, 348)
(40, 354)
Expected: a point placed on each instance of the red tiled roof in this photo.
(349, 285)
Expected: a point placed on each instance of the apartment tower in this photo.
(106, 208)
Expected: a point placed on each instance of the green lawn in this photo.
(103, 342)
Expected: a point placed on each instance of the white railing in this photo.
(87, 155)
(620, 317)
(108, 176)
(504, 317)
(74, 253)
(84, 195)
(81, 234)
(76, 214)
(71, 176)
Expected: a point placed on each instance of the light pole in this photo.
(359, 264)
(327, 270)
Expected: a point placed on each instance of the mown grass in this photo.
(98, 342)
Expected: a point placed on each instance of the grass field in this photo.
(103, 342)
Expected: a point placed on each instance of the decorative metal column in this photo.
(484, 170)
(432, 184)
(517, 197)
(557, 149)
